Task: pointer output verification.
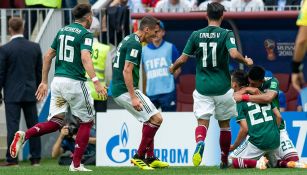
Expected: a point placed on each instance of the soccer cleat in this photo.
(293, 164)
(261, 163)
(198, 153)
(80, 168)
(154, 162)
(138, 161)
(17, 143)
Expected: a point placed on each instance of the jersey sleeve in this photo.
(190, 47)
(241, 112)
(230, 41)
(274, 105)
(55, 43)
(87, 42)
(274, 85)
(133, 54)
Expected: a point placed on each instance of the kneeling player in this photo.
(256, 76)
(259, 127)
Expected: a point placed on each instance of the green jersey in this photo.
(272, 84)
(210, 46)
(68, 44)
(262, 127)
(130, 50)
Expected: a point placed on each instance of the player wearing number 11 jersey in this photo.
(212, 47)
(72, 48)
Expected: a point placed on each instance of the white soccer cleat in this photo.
(261, 163)
(80, 168)
(17, 143)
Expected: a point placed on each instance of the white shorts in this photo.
(286, 148)
(149, 108)
(249, 151)
(69, 93)
(222, 107)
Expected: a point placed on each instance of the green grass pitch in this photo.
(50, 167)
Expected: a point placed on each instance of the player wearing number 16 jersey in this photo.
(212, 46)
(72, 48)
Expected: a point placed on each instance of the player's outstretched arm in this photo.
(42, 89)
(127, 73)
(267, 97)
(89, 68)
(300, 44)
(235, 54)
(178, 63)
(241, 135)
(298, 56)
(261, 98)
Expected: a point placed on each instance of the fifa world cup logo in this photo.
(269, 47)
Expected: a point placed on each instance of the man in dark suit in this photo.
(20, 75)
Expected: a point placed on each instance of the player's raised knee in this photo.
(156, 119)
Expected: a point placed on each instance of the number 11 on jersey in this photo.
(213, 45)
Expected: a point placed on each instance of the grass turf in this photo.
(50, 167)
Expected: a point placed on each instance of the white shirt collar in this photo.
(16, 36)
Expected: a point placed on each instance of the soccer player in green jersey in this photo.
(212, 46)
(258, 126)
(72, 48)
(125, 81)
(270, 86)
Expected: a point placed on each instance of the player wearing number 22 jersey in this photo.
(258, 125)
(269, 86)
(212, 46)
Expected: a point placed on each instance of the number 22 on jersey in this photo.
(263, 110)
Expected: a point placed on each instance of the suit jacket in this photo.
(20, 70)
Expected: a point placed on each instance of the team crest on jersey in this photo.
(88, 41)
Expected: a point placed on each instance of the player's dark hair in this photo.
(240, 77)
(215, 11)
(16, 24)
(256, 73)
(149, 21)
(80, 11)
